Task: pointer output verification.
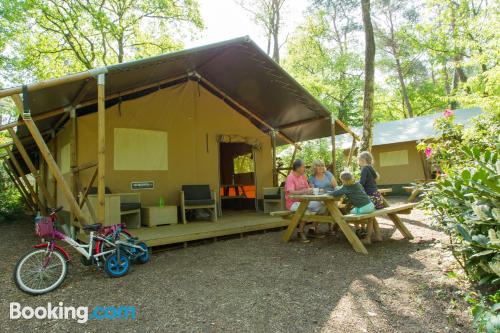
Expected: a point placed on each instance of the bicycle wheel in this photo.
(143, 258)
(115, 269)
(36, 273)
(101, 246)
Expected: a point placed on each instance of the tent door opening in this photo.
(237, 176)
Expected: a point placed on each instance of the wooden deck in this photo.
(232, 223)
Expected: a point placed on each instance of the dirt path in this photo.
(258, 284)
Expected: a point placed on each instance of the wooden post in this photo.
(84, 199)
(10, 170)
(296, 147)
(31, 167)
(26, 182)
(53, 151)
(334, 159)
(275, 171)
(75, 175)
(21, 190)
(101, 148)
(351, 152)
(51, 163)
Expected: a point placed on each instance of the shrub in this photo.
(465, 202)
(10, 200)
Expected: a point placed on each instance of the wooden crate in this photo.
(155, 215)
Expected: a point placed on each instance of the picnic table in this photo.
(335, 216)
(416, 189)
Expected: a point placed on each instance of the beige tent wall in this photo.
(398, 174)
(192, 118)
(62, 145)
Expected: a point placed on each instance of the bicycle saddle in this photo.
(92, 227)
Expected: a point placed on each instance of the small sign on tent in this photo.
(146, 185)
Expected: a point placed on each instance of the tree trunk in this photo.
(447, 86)
(366, 142)
(404, 91)
(457, 57)
(120, 50)
(276, 28)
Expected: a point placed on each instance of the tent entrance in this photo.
(237, 176)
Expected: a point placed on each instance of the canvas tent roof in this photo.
(238, 69)
(411, 129)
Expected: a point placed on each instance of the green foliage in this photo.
(317, 150)
(10, 199)
(323, 57)
(465, 203)
(486, 312)
(73, 35)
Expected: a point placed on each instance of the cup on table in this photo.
(315, 190)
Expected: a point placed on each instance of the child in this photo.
(362, 204)
(368, 179)
(355, 194)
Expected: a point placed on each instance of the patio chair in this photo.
(274, 199)
(197, 197)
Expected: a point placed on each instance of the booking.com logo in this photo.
(81, 313)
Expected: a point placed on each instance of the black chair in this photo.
(197, 197)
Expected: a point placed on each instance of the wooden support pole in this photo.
(275, 170)
(351, 152)
(40, 116)
(6, 145)
(10, 170)
(101, 149)
(242, 108)
(334, 158)
(84, 166)
(52, 82)
(86, 192)
(52, 164)
(75, 174)
(293, 158)
(53, 151)
(19, 187)
(31, 167)
(26, 182)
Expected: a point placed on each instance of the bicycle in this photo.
(44, 269)
(136, 251)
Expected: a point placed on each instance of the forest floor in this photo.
(259, 284)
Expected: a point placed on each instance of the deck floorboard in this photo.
(230, 224)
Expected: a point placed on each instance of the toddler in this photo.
(355, 194)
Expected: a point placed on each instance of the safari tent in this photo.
(394, 149)
(132, 134)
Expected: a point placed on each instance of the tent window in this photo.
(243, 164)
(393, 158)
(137, 149)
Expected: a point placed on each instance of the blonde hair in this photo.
(317, 163)
(347, 177)
(367, 156)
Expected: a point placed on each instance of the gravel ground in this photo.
(259, 284)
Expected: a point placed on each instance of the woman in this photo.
(325, 181)
(296, 183)
(322, 178)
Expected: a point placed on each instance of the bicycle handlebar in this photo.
(56, 210)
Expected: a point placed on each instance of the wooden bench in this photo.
(369, 219)
(397, 209)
